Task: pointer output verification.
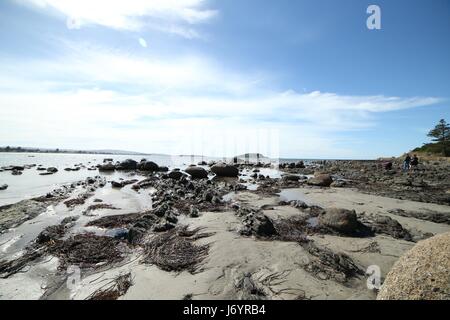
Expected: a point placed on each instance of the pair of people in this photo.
(409, 162)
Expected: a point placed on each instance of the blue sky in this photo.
(290, 78)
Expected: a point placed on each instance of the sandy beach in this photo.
(291, 232)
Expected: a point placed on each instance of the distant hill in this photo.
(252, 156)
(441, 149)
(73, 151)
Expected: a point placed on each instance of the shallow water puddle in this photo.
(293, 195)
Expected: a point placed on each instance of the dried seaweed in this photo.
(114, 289)
(8, 268)
(292, 229)
(87, 250)
(115, 221)
(175, 250)
(329, 265)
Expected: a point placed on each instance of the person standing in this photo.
(407, 162)
(414, 161)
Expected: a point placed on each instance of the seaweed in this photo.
(175, 250)
(114, 289)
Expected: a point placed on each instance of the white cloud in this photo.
(107, 119)
(95, 98)
(92, 65)
(170, 15)
(142, 42)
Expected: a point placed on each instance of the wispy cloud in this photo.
(173, 16)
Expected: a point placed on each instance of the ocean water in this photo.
(31, 184)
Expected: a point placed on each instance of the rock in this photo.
(16, 172)
(135, 234)
(175, 174)
(193, 212)
(3, 187)
(423, 273)
(196, 172)
(320, 180)
(116, 184)
(338, 184)
(107, 167)
(387, 165)
(128, 164)
(108, 160)
(257, 224)
(163, 226)
(263, 226)
(52, 170)
(163, 169)
(387, 225)
(148, 166)
(202, 163)
(341, 220)
(298, 204)
(161, 210)
(225, 170)
(290, 177)
(208, 195)
(300, 165)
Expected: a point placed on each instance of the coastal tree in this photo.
(441, 132)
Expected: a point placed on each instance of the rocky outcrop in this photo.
(175, 174)
(16, 172)
(107, 167)
(341, 220)
(290, 177)
(423, 273)
(196, 172)
(225, 170)
(128, 164)
(145, 165)
(320, 180)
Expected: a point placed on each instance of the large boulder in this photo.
(225, 170)
(196, 172)
(259, 225)
(320, 180)
(145, 165)
(16, 172)
(3, 187)
(290, 177)
(263, 226)
(341, 220)
(107, 167)
(128, 164)
(300, 165)
(423, 273)
(175, 174)
(387, 225)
